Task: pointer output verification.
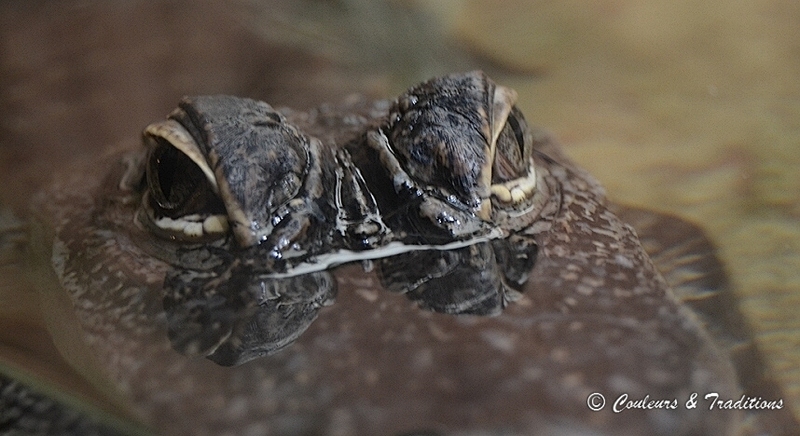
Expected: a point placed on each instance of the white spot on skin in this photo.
(623, 261)
(532, 373)
(584, 290)
(423, 359)
(568, 276)
(575, 326)
(371, 376)
(573, 380)
(370, 295)
(622, 293)
(559, 355)
(500, 340)
(622, 383)
(438, 333)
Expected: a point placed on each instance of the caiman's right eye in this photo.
(181, 200)
(174, 180)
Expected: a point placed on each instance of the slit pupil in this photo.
(518, 134)
(167, 165)
(175, 182)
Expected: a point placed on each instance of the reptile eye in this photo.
(513, 174)
(173, 179)
(513, 149)
(181, 201)
(517, 129)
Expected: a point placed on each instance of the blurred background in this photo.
(690, 107)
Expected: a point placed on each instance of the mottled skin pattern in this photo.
(595, 316)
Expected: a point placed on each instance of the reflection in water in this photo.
(232, 315)
(480, 279)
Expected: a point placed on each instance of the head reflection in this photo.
(235, 315)
(480, 279)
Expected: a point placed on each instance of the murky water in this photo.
(686, 107)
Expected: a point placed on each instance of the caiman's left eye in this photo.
(181, 200)
(513, 175)
(512, 150)
(520, 128)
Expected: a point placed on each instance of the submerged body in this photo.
(593, 315)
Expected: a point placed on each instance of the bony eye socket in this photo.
(181, 201)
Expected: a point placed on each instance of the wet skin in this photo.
(578, 305)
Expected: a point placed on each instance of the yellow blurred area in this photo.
(691, 107)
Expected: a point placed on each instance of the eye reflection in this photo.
(231, 315)
(479, 279)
